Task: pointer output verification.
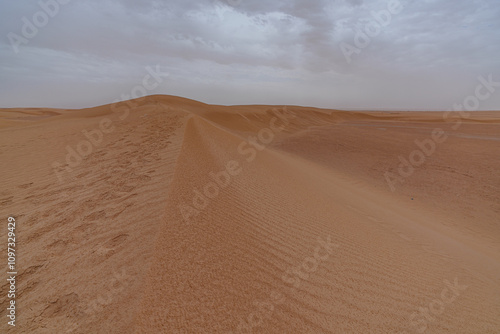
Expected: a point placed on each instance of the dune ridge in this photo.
(294, 230)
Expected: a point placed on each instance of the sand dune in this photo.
(183, 217)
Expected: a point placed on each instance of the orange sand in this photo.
(175, 222)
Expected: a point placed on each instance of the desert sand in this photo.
(168, 215)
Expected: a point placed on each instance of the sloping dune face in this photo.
(195, 218)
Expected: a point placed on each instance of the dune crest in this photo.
(196, 218)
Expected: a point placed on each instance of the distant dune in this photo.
(168, 215)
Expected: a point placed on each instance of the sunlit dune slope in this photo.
(196, 218)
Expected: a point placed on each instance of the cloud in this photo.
(282, 52)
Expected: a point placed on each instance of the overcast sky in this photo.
(427, 54)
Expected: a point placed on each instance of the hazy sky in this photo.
(424, 54)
